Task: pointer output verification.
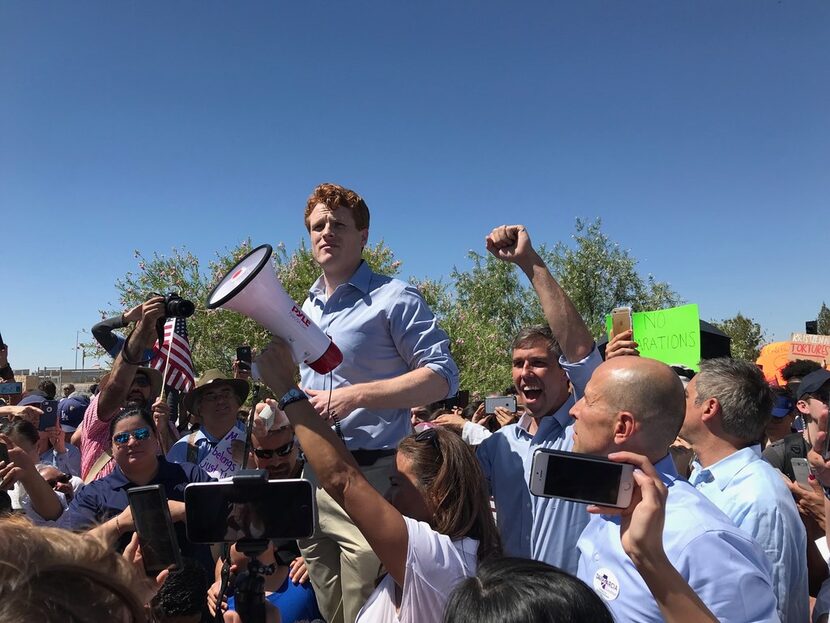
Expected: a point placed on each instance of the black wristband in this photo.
(126, 358)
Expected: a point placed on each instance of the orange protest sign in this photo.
(773, 357)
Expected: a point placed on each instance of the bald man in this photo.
(637, 405)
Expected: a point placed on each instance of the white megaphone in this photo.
(252, 288)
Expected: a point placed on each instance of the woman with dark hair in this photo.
(434, 528)
(516, 590)
(103, 505)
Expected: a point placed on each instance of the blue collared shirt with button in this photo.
(753, 495)
(384, 329)
(545, 529)
(723, 565)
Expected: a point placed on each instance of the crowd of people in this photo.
(424, 510)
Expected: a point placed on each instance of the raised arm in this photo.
(511, 243)
(121, 377)
(338, 473)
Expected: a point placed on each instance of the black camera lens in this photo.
(177, 307)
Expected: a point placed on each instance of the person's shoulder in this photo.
(691, 515)
(184, 471)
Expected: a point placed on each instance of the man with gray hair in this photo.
(728, 405)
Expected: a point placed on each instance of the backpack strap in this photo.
(192, 448)
(97, 466)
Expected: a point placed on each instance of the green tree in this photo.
(823, 320)
(747, 336)
(215, 334)
(598, 275)
(488, 305)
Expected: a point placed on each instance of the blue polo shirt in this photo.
(541, 528)
(723, 565)
(106, 497)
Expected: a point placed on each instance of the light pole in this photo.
(77, 334)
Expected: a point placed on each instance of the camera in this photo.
(175, 306)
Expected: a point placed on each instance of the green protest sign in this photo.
(668, 335)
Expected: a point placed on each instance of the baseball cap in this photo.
(812, 382)
(782, 406)
(31, 399)
(71, 412)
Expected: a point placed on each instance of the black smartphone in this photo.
(224, 512)
(4, 453)
(156, 535)
(243, 356)
(50, 414)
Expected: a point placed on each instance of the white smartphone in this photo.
(801, 469)
(507, 402)
(581, 478)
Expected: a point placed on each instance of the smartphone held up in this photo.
(581, 478)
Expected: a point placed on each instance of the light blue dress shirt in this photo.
(753, 495)
(545, 529)
(384, 329)
(722, 564)
(69, 462)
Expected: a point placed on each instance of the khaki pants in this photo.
(341, 565)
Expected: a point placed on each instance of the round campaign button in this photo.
(606, 584)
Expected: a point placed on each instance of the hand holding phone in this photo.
(243, 357)
(505, 402)
(154, 526)
(620, 320)
(642, 520)
(49, 417)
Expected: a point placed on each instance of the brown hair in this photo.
(334, 196)
(541, 333)
(53, 575)
(452, 481)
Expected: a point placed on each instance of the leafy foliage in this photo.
(823, 320)
(481, 308)
(215, 334)
(598, 275)
(747, 336)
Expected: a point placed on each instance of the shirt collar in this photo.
(728, 467)
(561, 416)
(360, 279)
(120, 480)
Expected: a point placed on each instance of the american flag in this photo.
(180, 372)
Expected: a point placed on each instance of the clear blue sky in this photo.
(698, 131)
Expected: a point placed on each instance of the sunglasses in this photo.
(141, 380)
(430, 435)
(62, 479)
(139, 434)
(285, 450)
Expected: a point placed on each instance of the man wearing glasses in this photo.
(216, 401)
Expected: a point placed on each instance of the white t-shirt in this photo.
(435, 564)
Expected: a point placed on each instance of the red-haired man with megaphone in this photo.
(394, 357)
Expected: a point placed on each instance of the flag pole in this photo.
(167, 363)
